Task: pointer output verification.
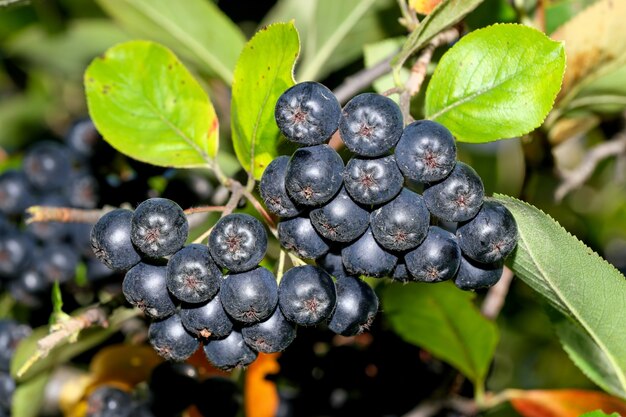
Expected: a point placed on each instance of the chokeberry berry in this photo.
(458, 197)
(47, 165)
(307, 295)
(341, 219)
(7, 388)
(173, 387)
(490, 236)
(274, 334)
(230, 352)
(426, 151)
(365, 256)
(15, 192)
(111, 243)
(207, 320)
(82, 191)
(473, 275)
(373, 181)
(313, 175)
(332, 263)
(238, 242)
(11, 334)
(299, 235)
(357, 305)
(272, 189)
(159, 227)
(250, 297)
(402, 223)
(145, 287)
(192, 275)
(171, 340)
(107, 401)
(308, 113)
(58, 262)
(371, 124)
(400, 272)
(83, 138)
(436, 259)
(16, 252)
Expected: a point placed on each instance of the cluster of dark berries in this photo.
(401, 207)
(218, 294)
(172, 388)
(11, 333)
(34, 256)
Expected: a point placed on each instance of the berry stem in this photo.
(281, 266)
(64, 214)
(204, 209)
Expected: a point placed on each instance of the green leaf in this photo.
(264, 71)
(599, 413)
(198, 31)
(587, 294)
(65, 351)
(67, 52)
(443, 320)
(29, 396)
(446, 14)
(495, 83)
(147, 105)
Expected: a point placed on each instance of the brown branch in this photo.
(362, 79)
(577, 177)
(64, 214)
(204, 209)
(494, 300)
(418, 70)
(260, 209)
(64, 330)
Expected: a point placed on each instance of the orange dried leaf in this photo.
(125, 364)
(564, 403)
(423, 6)
(261, 395)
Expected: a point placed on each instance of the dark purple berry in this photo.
(436, 259)
(107, 401)
(426, 151)
(238, 242)
(332, 263)
(365, 256)
(15, 193)
(159, 227)
(145, 287)
(298, 235)
(192, 275)
(400, 272)
(371, 124)
(274, 334)
(341, 219)
(173, 387)
(306, 295)
(458, 197)
(207, 320)
(313, 175)
(16, 251)
(250, 297)
(490, 236)
(111, 243)
(83, 138)
(272, 189)
(402, 223)
(473, 275)
(308, 113)
(47, 165)
(171, 340)
(357, 305)
(7, 388)
(373, 181)
(11, 334)
(82, 191)
(58, 262)
(230, 352)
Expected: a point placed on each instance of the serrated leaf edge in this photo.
(574, 312)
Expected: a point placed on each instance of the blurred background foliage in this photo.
(46, 45)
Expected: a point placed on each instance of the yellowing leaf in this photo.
(261, 395)
(423, 6)
(564, 403)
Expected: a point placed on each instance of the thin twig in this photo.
(204, 209)
(64, 330)
(409, 17)
(576, 177)
(64, 214)
(236, 192)
(494, 300)
(362, 79)
(203, 236)
(418, 71)
(281, 266)
(260, 209)
(429, 408)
